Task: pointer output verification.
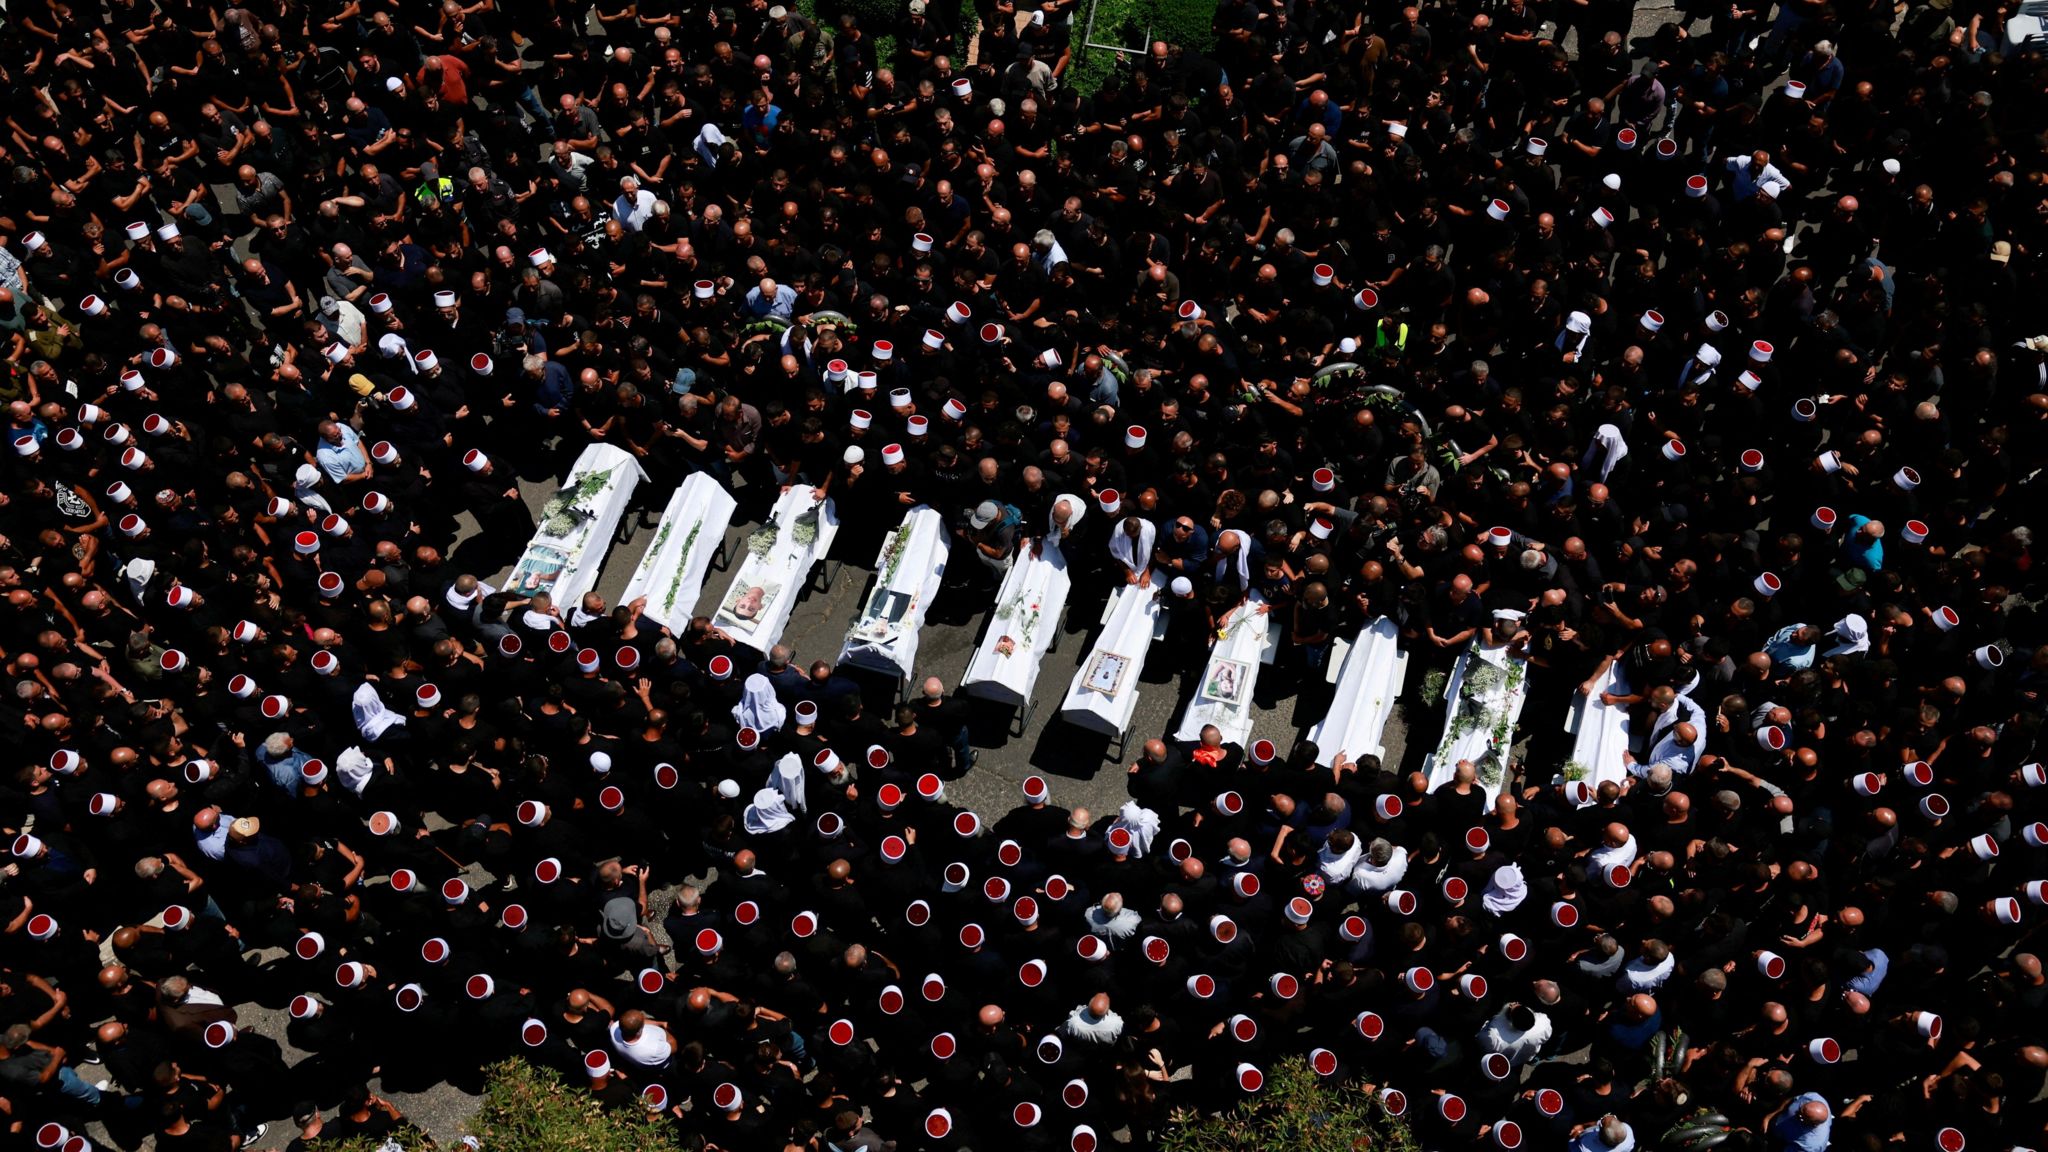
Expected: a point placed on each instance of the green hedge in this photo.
(1298, 1111)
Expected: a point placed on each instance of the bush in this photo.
(1125, 23)
(1298, 1111)
(407, 1138)
(526, 1109)
(878, 18)
(529, 1109)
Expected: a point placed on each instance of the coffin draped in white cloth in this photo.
(1127, 632)
(564, 560)
(1026, 613)
(784, 568)
(1601, 731)
(671, 573)
(1367, 686)
(884, 636)
(1486, 741)
(1239, 650)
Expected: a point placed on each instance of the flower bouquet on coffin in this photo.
(1018, 618)
(1483, 698)
(778, 556)
(574, 505)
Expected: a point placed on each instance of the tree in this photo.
(1296, 1111)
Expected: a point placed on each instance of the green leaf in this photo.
(1297, 1111)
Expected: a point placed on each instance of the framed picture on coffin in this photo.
(1226, 682)
(1106, 672)
(746, 604)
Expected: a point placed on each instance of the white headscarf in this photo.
(1610, 446)
(788, 779)
(1853, 632)
(707, 144)
(1242, 563)
(354, 768)
(393, 347)
(1052, 526)
(373, 719)
(1126, 553)
(758, 708)
(1569, 340)
(309, 494)
(766, 814)
(1142, 823)
(139, 571)
(1506, 891)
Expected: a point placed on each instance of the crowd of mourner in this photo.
(1696, 369)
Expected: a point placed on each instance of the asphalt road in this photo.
(1080, 765)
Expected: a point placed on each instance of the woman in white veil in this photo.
(373, 719)
(758, 708)
(1142, 823)
(767, 814)
(788, 779)
(1505, 891)
(1608, 449)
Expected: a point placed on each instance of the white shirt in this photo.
(1121, 926)
(1666, 749)
(1497, 1035)
(1370, 877)
(634, 210)
(651, 1050)
(1338, 868)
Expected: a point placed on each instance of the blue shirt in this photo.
(1785, 650)
(1744, 183)
(1880, 966)
(761, 124)
(1636, 1037)
(1189, 550)
(1865, 552)
(555, 391)
(284, 771)
(1827, 78)
(340, 461)
(1789, 1131)
(781, 305)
